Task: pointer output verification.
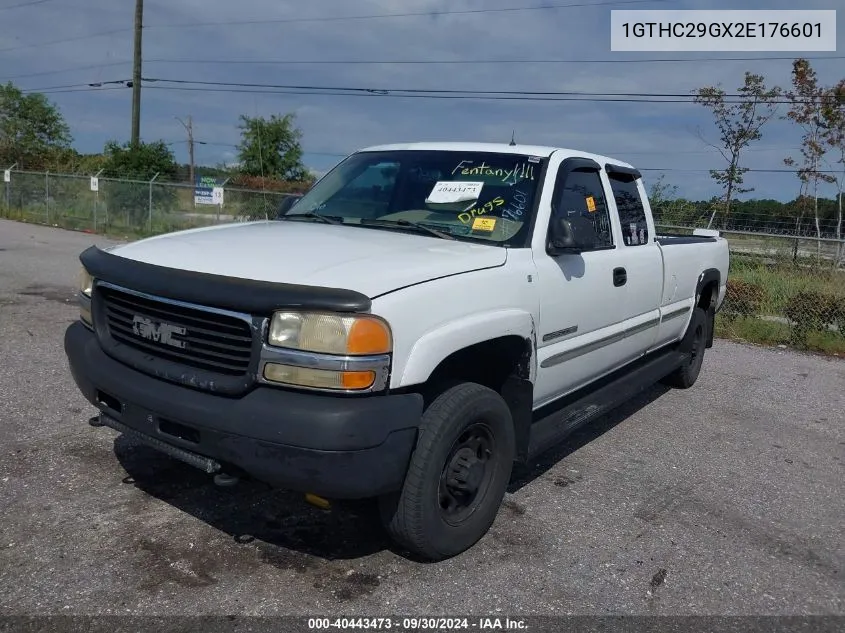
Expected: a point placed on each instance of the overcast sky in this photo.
(67, 42)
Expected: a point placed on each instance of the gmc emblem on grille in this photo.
(158, 332)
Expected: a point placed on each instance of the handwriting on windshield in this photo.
(519, 172)
(467, 216)
(516, 207)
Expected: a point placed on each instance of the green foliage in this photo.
(812, 311)
(141, 164)
(32, 129)
(271, 148)
(740, 121)
(742, 298)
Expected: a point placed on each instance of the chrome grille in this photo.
(198, 338)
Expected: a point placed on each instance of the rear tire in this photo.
(694, 344)
(458, 474)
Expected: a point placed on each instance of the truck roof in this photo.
(505, 148)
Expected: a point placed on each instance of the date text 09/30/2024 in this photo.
(418, 623)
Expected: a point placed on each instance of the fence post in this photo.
(220, 206)
(9, 187)
(47, 197)
(97, 199)
(151, 204)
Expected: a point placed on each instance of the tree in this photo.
(271, 148)
(740, 120)
(809, 101)
(136, 166)
(32, 128)
(833, 114)
(139, 163)
(668, 208)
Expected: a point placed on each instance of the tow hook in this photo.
(225, 480)
(96, 421)
(318, 502)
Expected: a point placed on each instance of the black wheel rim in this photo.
(467, 472)
(697, 345)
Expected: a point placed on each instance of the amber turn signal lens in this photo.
(319, 378)
(368, 336)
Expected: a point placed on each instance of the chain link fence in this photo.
(783, 290)
(784, 287)
(127, 208)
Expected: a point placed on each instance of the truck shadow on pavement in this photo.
(524, 474)
(282, 524)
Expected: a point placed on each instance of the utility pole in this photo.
(189, 128)
(136, 74)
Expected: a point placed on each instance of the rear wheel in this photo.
(457, 476)
(693, 345)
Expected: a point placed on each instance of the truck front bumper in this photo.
(333, 446)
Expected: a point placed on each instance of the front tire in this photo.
(694, 344)
(458, 474)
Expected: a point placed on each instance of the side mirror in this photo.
(571, 235)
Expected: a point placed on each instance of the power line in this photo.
(86, 86)
(424, 96)
(418, 96)
(435, 93)
(269, 89)
(70, 70)
(66, 40)
(400, 15)
(322, 19)
(24, 4)
(86, 89)
(433, 62)
(339, 62)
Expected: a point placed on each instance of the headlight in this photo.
(330, 333)
(86, 281)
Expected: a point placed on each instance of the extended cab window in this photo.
(582, 193)
(629, 204)
(479, 196)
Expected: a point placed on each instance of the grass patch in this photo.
(772, 333)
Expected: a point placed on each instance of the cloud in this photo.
(649, 135)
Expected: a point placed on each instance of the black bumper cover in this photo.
(333, 446)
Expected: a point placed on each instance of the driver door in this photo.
(582, 300)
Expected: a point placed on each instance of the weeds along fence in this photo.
(782, 289)
(129, 208)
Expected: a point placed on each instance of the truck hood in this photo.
(368, 260)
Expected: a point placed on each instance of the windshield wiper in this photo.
(328, 219)
(407, 223)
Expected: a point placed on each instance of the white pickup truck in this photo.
(424, 317)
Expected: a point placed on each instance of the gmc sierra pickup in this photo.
(423, 318)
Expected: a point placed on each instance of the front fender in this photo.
(437, 344)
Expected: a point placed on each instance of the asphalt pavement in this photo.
(724, 499)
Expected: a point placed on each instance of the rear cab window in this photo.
(630, 208)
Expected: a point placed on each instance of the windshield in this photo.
(480, 196)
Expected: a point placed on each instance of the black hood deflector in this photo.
(229, 293)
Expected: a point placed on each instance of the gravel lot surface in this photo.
(723, 499)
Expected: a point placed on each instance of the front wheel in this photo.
(693, 345)
(457, 476)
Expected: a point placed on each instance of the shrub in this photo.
(812, 311)
(742, 298)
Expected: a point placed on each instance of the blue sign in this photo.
(204, 190)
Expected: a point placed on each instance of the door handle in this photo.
(620, 277)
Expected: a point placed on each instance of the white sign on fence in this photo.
(217, 196)
(7, 175)
(95, 184)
